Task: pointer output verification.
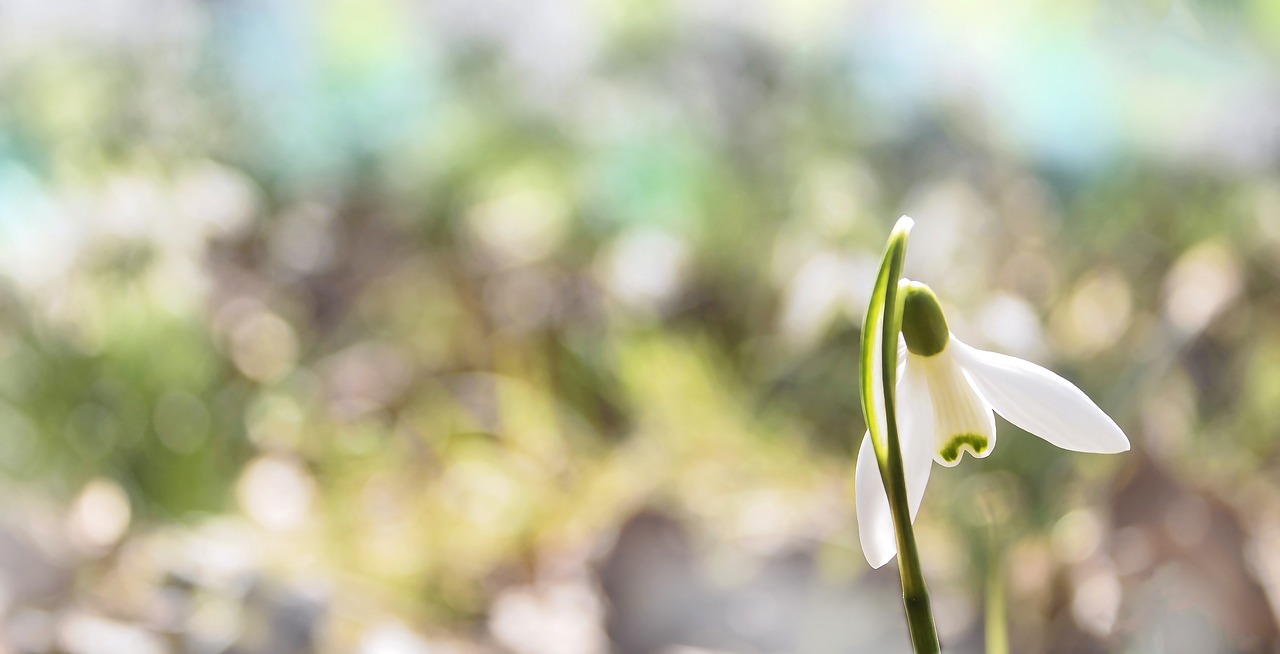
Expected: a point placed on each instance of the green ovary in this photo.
(951, 451)
(924, 327)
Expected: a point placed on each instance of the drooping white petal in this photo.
(1041, 402)
(962, 419)
(915, 427)
(915, 436)
(875, 522)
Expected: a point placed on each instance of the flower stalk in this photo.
(878, 359)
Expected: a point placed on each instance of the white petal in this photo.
(915, 422)
(963, 421)
(916, 427)
(1041, 402)
(875, 522)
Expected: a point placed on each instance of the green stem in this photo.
(915, 593)
(885, 310)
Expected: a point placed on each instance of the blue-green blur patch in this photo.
(951, 451)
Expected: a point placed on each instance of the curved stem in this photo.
(885, 313)
(915, 593)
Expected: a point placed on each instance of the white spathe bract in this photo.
(944, 407)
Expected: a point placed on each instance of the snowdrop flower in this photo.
(946, 394)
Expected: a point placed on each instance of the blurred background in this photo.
(456, 327)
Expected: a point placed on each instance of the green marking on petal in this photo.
(951, 451)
